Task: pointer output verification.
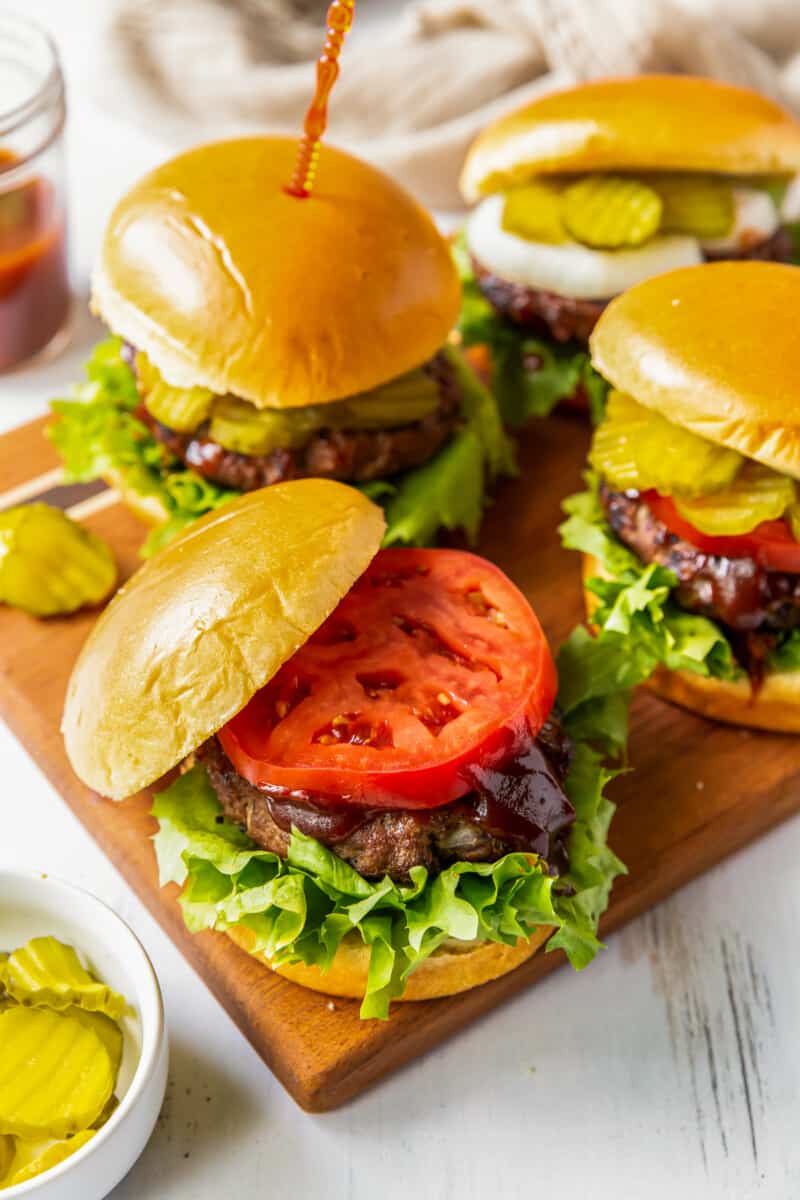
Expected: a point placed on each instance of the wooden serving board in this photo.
(698, 792)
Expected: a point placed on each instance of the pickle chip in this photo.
(8, 1150)
(49, 564)
(701, 205)
(48, 1158)
(533, 212)
(46, 973)
(55, 1074)
(107, 1030)
(611, 211)
(637, 448)
(756, 494)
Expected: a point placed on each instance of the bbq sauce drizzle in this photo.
(339, 19)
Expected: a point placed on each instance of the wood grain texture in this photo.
(698, 792)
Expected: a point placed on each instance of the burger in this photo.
(375, 793)
(691, 525)
(260, 337)
(589, 191)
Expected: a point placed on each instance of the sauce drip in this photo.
(34, 292)
(339, 19)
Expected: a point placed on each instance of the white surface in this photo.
(36, 905)
(670, 1069)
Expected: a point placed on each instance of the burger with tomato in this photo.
(261, 337)
(588, 191)
(691, 526)
(376, 795)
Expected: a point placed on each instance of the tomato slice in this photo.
(771, 543)
(432, 662)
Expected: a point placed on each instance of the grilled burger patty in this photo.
(753, 603)
(482, 827)
(565, 319)
(354, 455)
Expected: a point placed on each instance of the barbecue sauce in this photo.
(34, 291)
(339, 19)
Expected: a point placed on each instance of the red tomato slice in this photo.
(771, 543)
(432, 662)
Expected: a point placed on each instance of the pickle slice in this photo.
(701, 205)
(45, 1160)
(7, 1152)
(49, 564)
(401, 401)
(55, 1074)
(756, 494)
(610, 211)
(46, 973)
(242, 427)
(183, 409)
(107, 1030)
(639, 449)
(533, 212)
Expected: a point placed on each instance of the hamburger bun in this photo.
(774, 706)
(715, 349)
(228, 282)
(203, 625)
(642, 123)
(454, 967)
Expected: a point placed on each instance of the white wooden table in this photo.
(669, 1069)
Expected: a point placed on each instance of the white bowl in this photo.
(37, 905)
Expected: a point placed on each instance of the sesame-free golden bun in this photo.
(207, 622)
(774, 705)
(228, 282)
(646, 122)
(453, 967)
(715, 349)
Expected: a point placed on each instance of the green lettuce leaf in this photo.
(523, 392)
(302, 907)
(97, 432)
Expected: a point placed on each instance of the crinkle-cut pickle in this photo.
(611, 211)
(757, 494)
(7, 1152)
(636, 448)
(49, 564)
(48, 1158)
(700, 205)
(46, 972)
(533, 212)
(55, 1074)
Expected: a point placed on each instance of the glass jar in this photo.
(34, 286)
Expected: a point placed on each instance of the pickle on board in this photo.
(55, 1074)
(637, 448)
(49, 564)
(47, 973)
(701, 205)
(36, 1163)
(533, 212)
(756, 494)
(611, 211)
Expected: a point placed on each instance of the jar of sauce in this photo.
(34, 285)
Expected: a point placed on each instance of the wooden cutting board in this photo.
(698, 792)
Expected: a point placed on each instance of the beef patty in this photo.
(354, 455)
(753, 603)
(482, 827)
(566, 319)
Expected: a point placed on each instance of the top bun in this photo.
(647, 122)
(716, 349)
(207, 622)
(228, 282)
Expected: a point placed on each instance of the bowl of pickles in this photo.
(83, 1048)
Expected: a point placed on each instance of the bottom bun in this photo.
(147, 507)
(454, 967)
(774, 705)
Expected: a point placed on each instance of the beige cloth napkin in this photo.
(418, 83)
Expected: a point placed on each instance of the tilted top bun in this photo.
(207, 622)
(716, 349)
(228, 282)
(647, 122)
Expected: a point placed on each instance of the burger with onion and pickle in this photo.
(260, 337)
(691, 525)
(377, 795)
(588, 191)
